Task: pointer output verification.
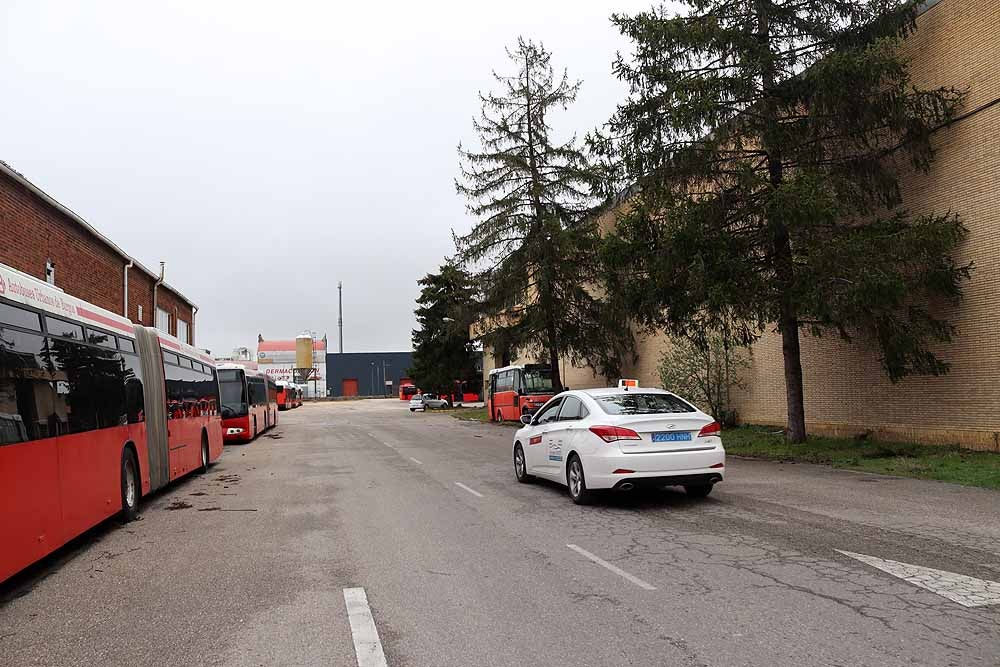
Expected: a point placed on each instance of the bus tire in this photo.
(204, 453)
(499, 418)
(131, 486)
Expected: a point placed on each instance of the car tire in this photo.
(131, 486)
(698, 490)
(521, 466)
(576, 481)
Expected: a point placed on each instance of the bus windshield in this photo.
(537, 381)
(233, 393)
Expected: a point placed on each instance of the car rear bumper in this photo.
(699, 479)
(655, 469)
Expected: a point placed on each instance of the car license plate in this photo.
(680, 436)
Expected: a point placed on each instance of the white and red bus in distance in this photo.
(246, 408)
(272, 402)
(517, 390)
(86, 398)
(286, 395)
(407, 389)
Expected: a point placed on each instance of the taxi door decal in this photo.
(555, 450)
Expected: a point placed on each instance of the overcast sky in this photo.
(266, 150)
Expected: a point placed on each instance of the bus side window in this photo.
(27, 400)
(134, 407)
(91, 384)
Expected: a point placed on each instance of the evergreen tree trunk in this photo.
(554, 358)
(793, 379)
(545, 287)
(784, 267)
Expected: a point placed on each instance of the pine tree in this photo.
(443, 353)
(765, 138)
(535, 241)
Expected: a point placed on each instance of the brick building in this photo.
(44, 239)
(957, 44)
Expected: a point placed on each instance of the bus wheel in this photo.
(204, 454)
(499, 417)
(130, 486)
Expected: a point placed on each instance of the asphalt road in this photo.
(248, 564)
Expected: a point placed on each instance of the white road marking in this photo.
(367, 646)
(966, 591)
(472, 491)
(416, 461)
(614, 568)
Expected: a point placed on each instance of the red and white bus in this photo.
(289, 395)
(248, 402)
(518, 390)
(95, 412)
(286, 396)
(407, 389)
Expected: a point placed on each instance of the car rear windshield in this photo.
(642, 404)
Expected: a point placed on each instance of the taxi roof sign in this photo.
(627, 383)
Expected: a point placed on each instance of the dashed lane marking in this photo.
(367, 646)
(472, 491)
(416, 461)
(965, 590)
(614, 568)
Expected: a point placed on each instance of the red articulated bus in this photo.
(518, 390)
(248, 402)
(95, 412)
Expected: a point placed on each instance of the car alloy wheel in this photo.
(577, 482)
(520, 467)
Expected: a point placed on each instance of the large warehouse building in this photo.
(41, 237)
(957, 44)
(366, 373)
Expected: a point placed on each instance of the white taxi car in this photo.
(620, 438)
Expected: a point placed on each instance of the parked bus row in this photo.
(96, 412)
(289, 395)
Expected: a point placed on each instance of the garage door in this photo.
(349, 387)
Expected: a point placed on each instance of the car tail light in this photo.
(614, 433)
(715, 428)
(718, 465)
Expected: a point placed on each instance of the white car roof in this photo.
(617, 391)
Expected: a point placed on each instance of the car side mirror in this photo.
(526, 420)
